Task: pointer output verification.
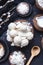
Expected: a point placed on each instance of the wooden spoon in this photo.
(34, 52)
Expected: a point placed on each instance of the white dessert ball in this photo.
(8, 32)
(17, 40)
(29, 35)
(22, 34)
(24, 42)
(9, 38)
(19, 25)
(23, 27)
(11, 26)
(13, 33)
(28, 29)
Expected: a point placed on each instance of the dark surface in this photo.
(37, 38)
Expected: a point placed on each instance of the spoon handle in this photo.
(29, 61)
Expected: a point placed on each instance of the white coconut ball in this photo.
(29, 35)
(9, 38)
(7, 32)
(18, 25)
(22, 34)
(28, 29)
(23, 27)
(24, 42)
(11, 26)
(17, 40)
(13, 33)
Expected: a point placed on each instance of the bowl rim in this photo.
(6, 52)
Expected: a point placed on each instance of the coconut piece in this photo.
(17, 40)
(24, 42)
(29, 35)
(13, 33)
(9, 38)
(11, 26)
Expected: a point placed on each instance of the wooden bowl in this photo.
(37, 4)
(35, 23)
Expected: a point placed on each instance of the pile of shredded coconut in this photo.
(17, 58)
(23, 8)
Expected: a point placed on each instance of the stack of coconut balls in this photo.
(19, 33)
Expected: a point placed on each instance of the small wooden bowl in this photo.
(35, 23)
(37, 4)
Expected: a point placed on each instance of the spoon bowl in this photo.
(35, 50)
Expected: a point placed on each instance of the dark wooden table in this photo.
(37, 38)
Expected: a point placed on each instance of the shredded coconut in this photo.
(23, 8)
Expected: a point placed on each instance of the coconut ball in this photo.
(7, 32)
(28, 28)
(22, 34)
(29, 35)
(13, 33)
(11, 26)
(24, 42)
(17, 40)
(23, 28)
(9, 38)
(19, 25)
